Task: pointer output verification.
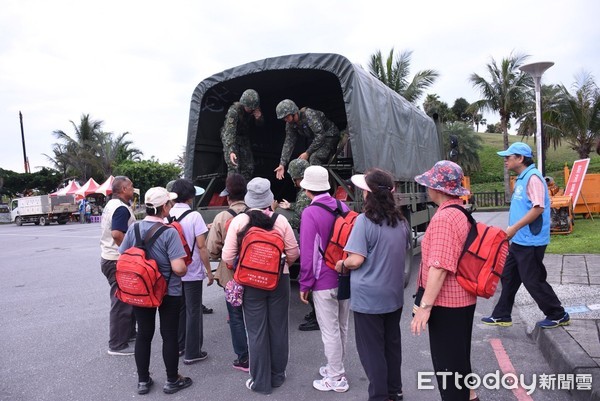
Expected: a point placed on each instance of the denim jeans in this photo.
(238, 331)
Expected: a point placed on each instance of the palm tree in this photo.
(469, 145)
(60, 161)
(394, 74)
(505, 94)
(113, 151)
(433, 105)
(580, 114)
(80, 151)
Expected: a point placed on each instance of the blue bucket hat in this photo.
(517, 148)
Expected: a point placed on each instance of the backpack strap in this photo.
(152, 235)
(274, 219)
(232, 212)
(330, 210)
(472, 231)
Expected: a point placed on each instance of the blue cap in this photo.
(517, 148)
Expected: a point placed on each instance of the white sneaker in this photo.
(328, 384)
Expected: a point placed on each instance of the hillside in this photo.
(490, 176)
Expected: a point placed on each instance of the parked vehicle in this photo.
(379, 129)
(42, 209)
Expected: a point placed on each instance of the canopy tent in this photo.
(106, 187)
(88, 188)
(70, 189)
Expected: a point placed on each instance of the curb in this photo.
(565, 355)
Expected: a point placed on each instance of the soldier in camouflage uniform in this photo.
(296, 171)
(307, 123)
(235, 134)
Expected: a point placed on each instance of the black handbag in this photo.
(418, 296)
(343, 285)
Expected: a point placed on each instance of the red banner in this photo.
(578, 171)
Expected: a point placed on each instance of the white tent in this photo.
(70, 189)
(88, 188)
(106, 187)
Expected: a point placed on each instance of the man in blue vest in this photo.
(529, 232)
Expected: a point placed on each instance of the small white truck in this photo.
(42, 209)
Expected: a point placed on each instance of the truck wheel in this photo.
(18, 221)
(44, 221)
(62, 221)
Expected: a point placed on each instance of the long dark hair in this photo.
(379, 205)
(257, 219)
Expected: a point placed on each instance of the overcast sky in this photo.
(135, 64)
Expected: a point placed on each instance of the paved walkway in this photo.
(573, 349)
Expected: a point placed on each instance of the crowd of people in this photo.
(374, 258)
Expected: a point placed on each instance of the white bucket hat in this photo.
(316, 178)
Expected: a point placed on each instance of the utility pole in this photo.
(25, 161)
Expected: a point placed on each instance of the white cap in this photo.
(158, 196)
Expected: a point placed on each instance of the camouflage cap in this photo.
(285, 108)
(296, 168)
(250, 99)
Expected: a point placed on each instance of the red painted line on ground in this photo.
(506, 366)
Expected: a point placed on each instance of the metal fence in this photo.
(488, 199)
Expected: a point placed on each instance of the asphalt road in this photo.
(54, 328)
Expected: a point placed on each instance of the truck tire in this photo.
(62, 221)
(18, 221)
(44, 221)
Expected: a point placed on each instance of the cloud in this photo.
(135, 64)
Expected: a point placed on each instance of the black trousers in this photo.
(168, 313)
(450, 331)
(525, 264)
(378, 342)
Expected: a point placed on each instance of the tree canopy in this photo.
(394, 72)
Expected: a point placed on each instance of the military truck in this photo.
(380, 129)
(42, 209)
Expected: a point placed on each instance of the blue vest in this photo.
(538, 232)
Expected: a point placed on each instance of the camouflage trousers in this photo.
(323, 154)
(245, 159)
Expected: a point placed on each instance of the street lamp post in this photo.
(536, 70)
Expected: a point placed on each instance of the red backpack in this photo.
(139, 281)
(261, 258)
(342, 227)
(481, 263)
(175, 223)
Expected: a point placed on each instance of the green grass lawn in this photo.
(586, 233)
(490, 176)
(584, 238)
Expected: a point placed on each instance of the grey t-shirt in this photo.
(377, 286)
(167, 247)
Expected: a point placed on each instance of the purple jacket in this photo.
(315, 228)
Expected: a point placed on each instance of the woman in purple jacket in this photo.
(332, 314)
